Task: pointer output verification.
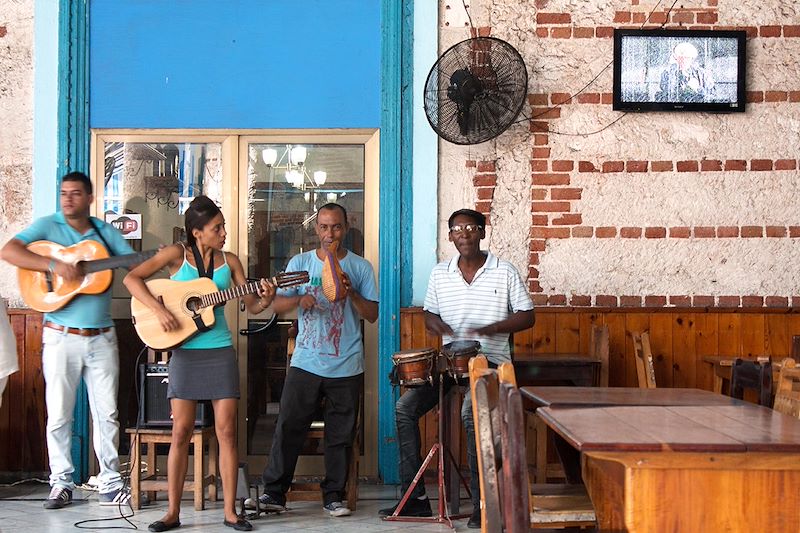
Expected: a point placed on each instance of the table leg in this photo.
(541, 450)
(717, 383)
(570, 460)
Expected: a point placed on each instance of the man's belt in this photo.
(83, 332)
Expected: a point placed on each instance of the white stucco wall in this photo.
(16, 133)
(664, 199)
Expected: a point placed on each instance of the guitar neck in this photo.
(118, 261)
(220, 297)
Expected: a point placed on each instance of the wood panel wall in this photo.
(679, 339)
(23, 449)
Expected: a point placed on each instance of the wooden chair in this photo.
(796, 347)
(484, 392)
(752, 375)
(300, 491)
(505, 490)
(645, 369)
(598, 349)
(787, 397)
(202, 477)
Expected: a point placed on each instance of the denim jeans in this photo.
(66, 358)
(300, 399)
(412, 406)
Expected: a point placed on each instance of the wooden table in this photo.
(723, 366)
(550, 368)
(685, 467)
(599, 396)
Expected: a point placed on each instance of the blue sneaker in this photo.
(337, 509)
(269, 502)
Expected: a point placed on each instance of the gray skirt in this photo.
(209, 374)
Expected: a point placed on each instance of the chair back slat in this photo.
(484, 390)
(645, 369)
(598, 350)
(516, 491)
(752, 375)
(787, 396)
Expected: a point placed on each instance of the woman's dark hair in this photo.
(198, 214)
(81, 177)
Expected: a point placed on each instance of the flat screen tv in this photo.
(679, 70)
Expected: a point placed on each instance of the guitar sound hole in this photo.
(193, 304)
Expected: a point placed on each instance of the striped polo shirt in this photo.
(496, 292)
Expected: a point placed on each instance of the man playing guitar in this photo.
(78, 340)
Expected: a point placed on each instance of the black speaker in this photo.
(155, 410)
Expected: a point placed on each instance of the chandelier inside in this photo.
(292, 163)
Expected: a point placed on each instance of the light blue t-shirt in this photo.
(329, 340)
(84, 310)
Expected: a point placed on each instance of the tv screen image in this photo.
(682, 70)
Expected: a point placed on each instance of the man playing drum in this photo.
(473, 296)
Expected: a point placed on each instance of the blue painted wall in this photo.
(250, 64)
(45, 110)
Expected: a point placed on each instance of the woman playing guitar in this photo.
(204, 367)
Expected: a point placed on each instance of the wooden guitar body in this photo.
(33, 285)
(178, 297)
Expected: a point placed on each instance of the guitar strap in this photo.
(105, 242)
(203, 273)
(201, 268)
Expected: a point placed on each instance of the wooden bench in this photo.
(152, 482)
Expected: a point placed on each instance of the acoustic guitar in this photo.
(192, 304)
(47, 292)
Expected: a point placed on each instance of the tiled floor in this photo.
(21, 512)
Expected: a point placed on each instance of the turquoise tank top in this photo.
(218, 336)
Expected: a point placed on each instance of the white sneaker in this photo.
(115, 497)
(337, 509)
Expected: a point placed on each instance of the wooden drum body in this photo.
(414, 367)
(458, 354)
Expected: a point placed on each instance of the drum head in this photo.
(461, 347)
(416, 354)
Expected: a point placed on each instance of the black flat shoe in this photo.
(240, 525)
(158, 526)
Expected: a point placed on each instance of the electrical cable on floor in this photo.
(132, 463)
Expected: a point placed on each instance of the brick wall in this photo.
(649, 209)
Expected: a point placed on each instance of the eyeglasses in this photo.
(465, 228)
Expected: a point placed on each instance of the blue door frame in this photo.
(395, 190)
(73, 155)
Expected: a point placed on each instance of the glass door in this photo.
(283, 182)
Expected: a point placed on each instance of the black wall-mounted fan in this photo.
(475, 90)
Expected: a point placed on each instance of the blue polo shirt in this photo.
(85, 310)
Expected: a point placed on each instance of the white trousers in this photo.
(3, 382)
(66, 358)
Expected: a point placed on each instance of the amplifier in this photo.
(155, 410)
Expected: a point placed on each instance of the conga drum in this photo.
(458, 354)
(414, 367)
